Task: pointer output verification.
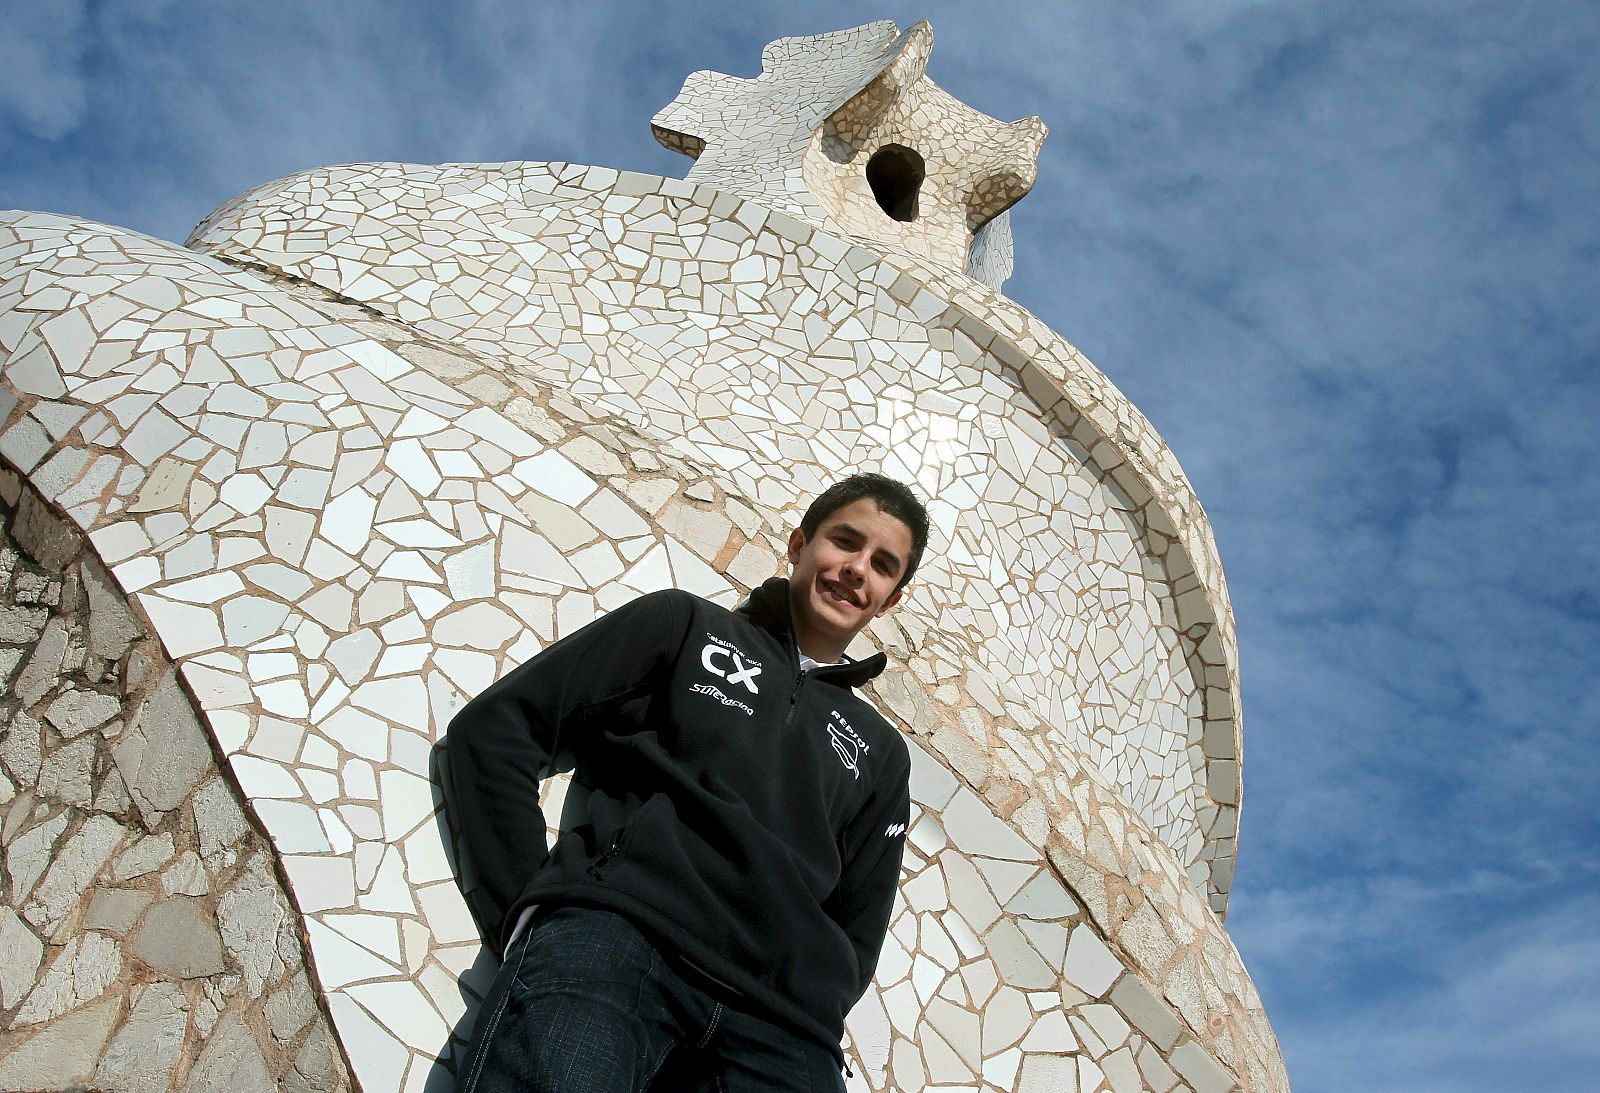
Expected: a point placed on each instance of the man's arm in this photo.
(873, 847)
(502, 742)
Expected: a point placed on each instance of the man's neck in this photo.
(818, 648)
(808, 662)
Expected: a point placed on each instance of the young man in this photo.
(731, 839)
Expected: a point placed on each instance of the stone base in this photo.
(145, 939)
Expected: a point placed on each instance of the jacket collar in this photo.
(768, 608)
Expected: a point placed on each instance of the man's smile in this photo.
(839, 593)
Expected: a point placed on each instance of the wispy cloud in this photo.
(193, 103)
(43, 83)
(1337, 252)
(1503, 997)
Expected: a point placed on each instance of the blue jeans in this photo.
(584, 1004)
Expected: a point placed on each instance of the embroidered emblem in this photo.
(714, 692)
(847, 743)
(741, 668)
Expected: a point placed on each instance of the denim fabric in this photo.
(584, 1004)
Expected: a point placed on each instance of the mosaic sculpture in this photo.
(276, 503)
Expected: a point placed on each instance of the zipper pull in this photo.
(604, 859)
(794, 699)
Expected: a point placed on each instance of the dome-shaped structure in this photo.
(386, 429)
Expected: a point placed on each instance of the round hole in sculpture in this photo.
(895, 174)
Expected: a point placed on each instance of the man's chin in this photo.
(843, 616)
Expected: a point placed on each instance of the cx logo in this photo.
(739, 672)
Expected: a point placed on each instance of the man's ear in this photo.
(890, 602)
(797, 542)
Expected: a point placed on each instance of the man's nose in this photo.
(856, 565)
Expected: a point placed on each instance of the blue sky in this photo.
(1343, 254)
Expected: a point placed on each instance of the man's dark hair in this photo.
(892, 498)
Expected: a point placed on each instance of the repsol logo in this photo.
(722, 658)
(847, 743)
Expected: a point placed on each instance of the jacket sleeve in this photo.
(504, 741)
(874, 844)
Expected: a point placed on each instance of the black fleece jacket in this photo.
(747, 818)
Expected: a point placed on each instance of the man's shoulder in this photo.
(662, 618)
(681, 596)
(668, 602)
(695, 613)
(687, 604)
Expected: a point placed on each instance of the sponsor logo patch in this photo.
(712, 692)
(847, 743)
(723, 658)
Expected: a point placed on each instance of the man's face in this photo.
(845, 576)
